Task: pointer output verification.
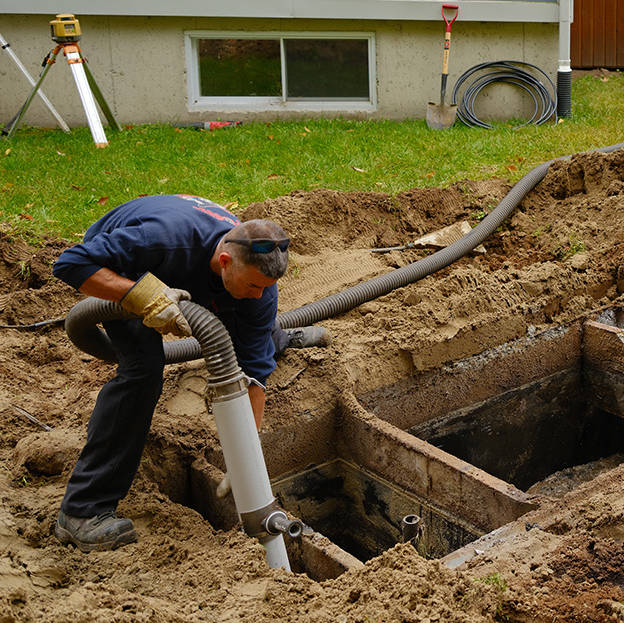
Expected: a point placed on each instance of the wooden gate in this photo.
(597, 34)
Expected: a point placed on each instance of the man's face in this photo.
(243, 281)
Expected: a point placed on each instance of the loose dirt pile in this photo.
(560, 256)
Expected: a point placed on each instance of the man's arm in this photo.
(257, 397)
(106, 284)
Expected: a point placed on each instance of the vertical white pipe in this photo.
(86, 96)
(245, 466)
(564, 70)
(276, 555)
(7, 48)
(565, 18)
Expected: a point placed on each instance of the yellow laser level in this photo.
(65, 28)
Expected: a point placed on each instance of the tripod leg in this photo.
(13, 124)
(108, 113)
(6, 46)
(88, 103)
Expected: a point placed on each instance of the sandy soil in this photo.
(560, 256)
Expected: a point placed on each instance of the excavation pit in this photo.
(525, 409)
(362, 513)
(530, 432)
(456, 446)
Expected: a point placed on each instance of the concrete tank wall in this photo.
(140, 66)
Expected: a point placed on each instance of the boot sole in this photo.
(65, 537)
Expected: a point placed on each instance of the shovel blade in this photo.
(441, 116)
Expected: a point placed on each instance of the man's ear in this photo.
(224, 259)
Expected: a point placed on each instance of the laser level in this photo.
(65, 30)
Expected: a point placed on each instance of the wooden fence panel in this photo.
(597, 35)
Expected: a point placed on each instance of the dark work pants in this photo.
(121, 419)
(119, 423)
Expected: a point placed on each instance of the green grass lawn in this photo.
(57, 183)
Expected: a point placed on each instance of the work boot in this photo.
(304, 337)
(102, 532)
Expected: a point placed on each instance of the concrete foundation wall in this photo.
(140, 66)
(603, 352)
(433, 394)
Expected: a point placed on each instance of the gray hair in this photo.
(272, 264)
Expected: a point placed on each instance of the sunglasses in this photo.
(263, 245)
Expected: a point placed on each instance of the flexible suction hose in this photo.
(211, 341)
(350, 298)
(81, 327)
(83, 317)
(231, 408)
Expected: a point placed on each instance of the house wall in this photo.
(140, 66)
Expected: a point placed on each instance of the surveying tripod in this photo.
(6, 46)
(66, 32)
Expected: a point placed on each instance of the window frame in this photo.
(196, 102)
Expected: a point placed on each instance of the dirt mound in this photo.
(326, 220)
(560, 256)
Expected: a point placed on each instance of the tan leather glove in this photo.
(157, 304)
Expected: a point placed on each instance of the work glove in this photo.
(157, 304)
(224, 487)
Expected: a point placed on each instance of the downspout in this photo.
(564, 71)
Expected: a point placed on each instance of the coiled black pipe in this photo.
(82, 318)
(511, 72)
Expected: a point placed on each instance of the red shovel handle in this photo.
(453, 7)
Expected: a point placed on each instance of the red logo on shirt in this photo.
(220, 217)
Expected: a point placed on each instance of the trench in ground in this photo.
(456, 446)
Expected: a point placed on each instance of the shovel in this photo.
(441, 116)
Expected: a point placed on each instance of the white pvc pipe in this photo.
(86, 96)
(276, 555)
(7, 48)
(246, 468)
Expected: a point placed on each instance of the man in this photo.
(148, 254)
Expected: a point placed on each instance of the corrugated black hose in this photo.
(82, 318)
(211, 339)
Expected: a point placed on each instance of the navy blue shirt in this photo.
(174, 237)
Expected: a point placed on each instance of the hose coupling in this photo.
(277, 522)
(270, 520)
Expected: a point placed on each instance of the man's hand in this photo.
(224, 487)
(157, 304)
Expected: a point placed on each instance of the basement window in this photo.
(280, 71)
